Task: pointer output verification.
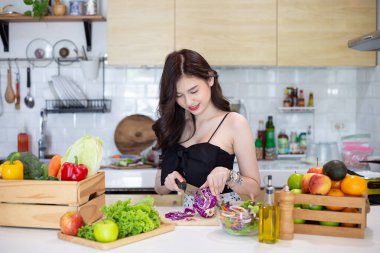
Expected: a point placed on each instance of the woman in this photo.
(199, 136)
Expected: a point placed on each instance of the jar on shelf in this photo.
(283, 143)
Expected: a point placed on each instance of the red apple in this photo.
(319, 184)
(318, 170)
(305, 182)
(70, 222)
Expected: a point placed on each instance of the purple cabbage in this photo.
(205, 202)
(187, 214)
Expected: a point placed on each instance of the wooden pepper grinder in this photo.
(286, 214)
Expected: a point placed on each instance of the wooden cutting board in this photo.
(164, 228)
(136, 166)
(134, 133)
(196, 220)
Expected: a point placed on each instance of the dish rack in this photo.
(69, 97)
(83, 105)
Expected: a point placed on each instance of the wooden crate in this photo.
(312, 227)
(40, 203)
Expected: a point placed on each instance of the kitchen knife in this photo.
(186, 187)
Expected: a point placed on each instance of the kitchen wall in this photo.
(346, 99)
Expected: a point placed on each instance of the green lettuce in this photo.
(89, 151)
(133, 219)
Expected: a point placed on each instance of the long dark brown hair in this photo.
(171, 122)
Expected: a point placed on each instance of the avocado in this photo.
(336, 170)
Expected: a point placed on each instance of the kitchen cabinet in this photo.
(225, 32)
(241, 32)
(316, 33)
(140, 32)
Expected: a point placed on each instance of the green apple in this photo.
(329, 223)
(315, 207)
(106, 230)
(312, 206)
(295, 181)
(297, 191)
(298, 221)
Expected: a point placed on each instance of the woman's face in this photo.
(194, 94)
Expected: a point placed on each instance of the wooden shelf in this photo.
(22, 18)
(87, 21)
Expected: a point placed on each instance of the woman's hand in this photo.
(170, 181)
(216, 180)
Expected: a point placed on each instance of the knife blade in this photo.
(186, 187)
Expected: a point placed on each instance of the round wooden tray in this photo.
(134, 133)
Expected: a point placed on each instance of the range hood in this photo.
(368, 42)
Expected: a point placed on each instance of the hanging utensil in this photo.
(29, 100)
(1, 99)
(17, 98)
(84, 54)
(9, 92)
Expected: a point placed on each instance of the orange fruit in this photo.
(349, 210)
(353, 185)
(336, 184)
(337, 193)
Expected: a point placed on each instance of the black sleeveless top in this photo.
(196, 162)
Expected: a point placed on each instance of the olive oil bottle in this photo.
(269, 216)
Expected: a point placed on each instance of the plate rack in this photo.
(100, 105)
(77, 106)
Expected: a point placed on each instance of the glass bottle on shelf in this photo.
(261, 132)
(259, 149)
(311, 100)
(270, 145)
(303, 142)
(295, 96)
(301, 99)
(287, 99)
(293, 145)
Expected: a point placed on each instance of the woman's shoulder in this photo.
(235, 119)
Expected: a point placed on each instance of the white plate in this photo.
(39, 52)
(67, 89)
(64, 49)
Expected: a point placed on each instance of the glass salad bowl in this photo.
(239, 218)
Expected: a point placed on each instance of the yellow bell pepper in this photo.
(13, 169)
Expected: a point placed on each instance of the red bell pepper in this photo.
(73, 171)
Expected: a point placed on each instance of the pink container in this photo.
(353, 154)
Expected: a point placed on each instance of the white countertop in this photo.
(144, 178)
(197, 239)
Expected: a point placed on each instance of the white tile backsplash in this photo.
(345, 96)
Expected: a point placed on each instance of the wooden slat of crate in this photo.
(52, 192)
(357, 202)
(359, 218)
(310, 229)
(47, 216)
(316, 215)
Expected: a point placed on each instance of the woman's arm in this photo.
(170, 184)
(244, 149)
(160, 189)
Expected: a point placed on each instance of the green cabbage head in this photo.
(89, 151)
